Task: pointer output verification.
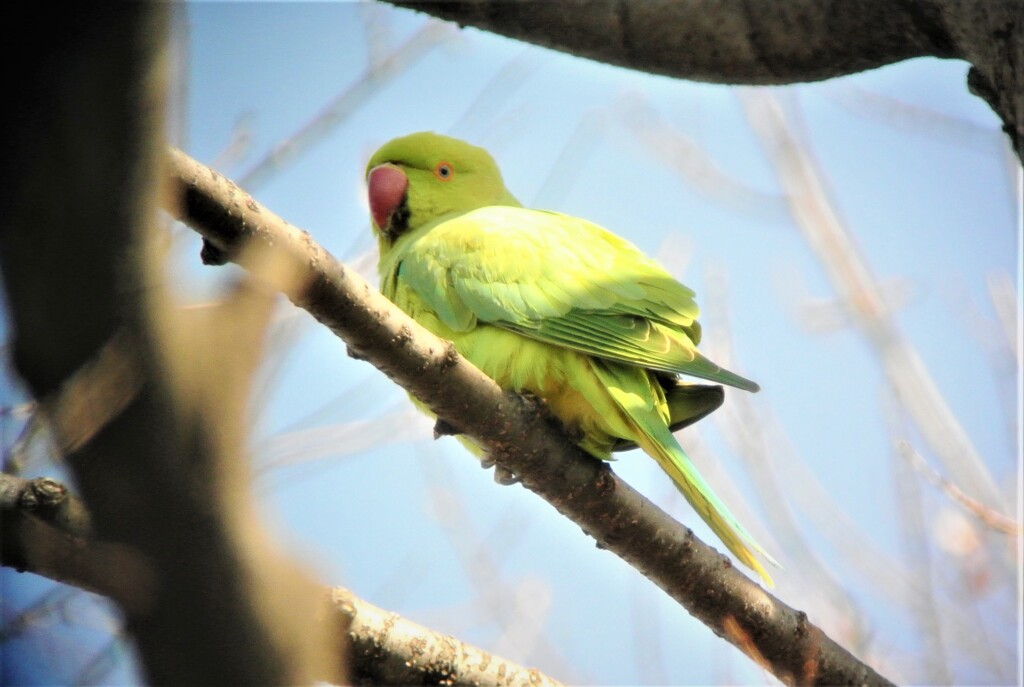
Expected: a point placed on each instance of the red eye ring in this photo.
(444, 171)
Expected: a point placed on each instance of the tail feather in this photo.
(673, 460)
(655, 438)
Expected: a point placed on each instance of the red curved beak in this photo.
(386, 186)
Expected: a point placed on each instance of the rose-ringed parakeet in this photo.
(551, 305)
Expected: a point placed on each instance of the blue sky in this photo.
(916, 169)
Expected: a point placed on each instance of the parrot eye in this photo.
(444, 171)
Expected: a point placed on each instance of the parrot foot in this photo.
(444, 429)
(540, 405)
(504, 476)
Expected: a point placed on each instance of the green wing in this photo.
(561, 280)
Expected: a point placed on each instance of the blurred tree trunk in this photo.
(147, 408)
(739, 42)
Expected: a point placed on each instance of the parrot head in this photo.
(417, 179)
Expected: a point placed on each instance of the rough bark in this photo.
(743, 42)
(390, 650)
(522, 440)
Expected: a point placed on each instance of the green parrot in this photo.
(551, 305)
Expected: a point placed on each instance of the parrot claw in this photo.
(444, 429)
(504, 476)
(532, 400)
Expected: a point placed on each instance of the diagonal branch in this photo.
(390, 650)
(520, 438)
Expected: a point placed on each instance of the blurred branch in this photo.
(1007, 307)
(46, 531)
(375, 76)
(859, 292)
(687, 158)
(521, 439)
(480, 114)
(499, 600)
(156, 446)
(748, 431)
(922, 604)
(736, 41)
(390, 650)
(989, 517)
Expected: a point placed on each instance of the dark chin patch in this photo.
(399, 221)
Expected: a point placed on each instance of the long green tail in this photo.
(673, 460)
(655, 438)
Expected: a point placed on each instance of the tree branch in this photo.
(721, 41)
(521, 439)
(390, 650)
(46, 530)
(742, 42)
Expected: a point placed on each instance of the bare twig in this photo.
(520, 439)
(990, 518)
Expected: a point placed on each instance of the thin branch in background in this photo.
(1007, 361)
(336, 111)
(378, 30)
(746, 429)
(836, 250)
(917, 120)
(305, 447)
(990, 518)
(647, 636)
(239, 143)
(48, 604)
(904, 369)
(32, 432)
(1007, 306)
(498, 599)
(283, 333)
(97, 670)
(498, 90)
(565, 171)
(910, 118)
(917, 556)
(826, 315)
(688, 159)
